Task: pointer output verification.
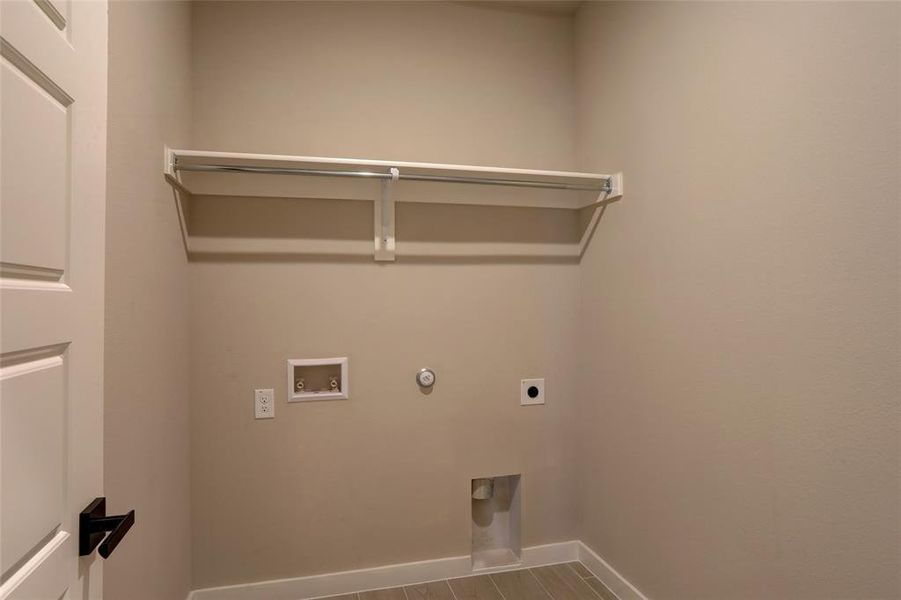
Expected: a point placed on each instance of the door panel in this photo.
(52, 213)
(35, 132)
(33, 37)
(32, 419)
(56, 10)
(45, 575)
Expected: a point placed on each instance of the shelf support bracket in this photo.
(612, 190)
(384, 219)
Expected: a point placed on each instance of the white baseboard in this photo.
(609, 576)
(346, 582)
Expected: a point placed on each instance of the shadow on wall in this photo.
(426, 232)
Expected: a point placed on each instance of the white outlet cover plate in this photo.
(264, 404)
(524, 398)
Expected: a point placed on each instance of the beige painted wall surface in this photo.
(384, 477)
(431, 81)
(740, 308)
(146, 379)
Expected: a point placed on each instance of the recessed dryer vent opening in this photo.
(496, 517)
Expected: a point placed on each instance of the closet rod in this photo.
(605, 185)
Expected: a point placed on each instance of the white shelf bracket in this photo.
(384, 219)
(615, 186)
(611, 191)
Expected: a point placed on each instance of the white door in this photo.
(52, 203)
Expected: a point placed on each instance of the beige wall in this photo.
(735, 356)
(384, 477)
(432, 81)
(740, 308)
(146, 377)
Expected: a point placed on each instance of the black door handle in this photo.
(93, 525)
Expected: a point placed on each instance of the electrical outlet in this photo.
(531, 391)
(264, 404)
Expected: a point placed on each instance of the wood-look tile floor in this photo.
(568, 581)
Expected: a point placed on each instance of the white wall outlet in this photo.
(531, 392)
(264, 404)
